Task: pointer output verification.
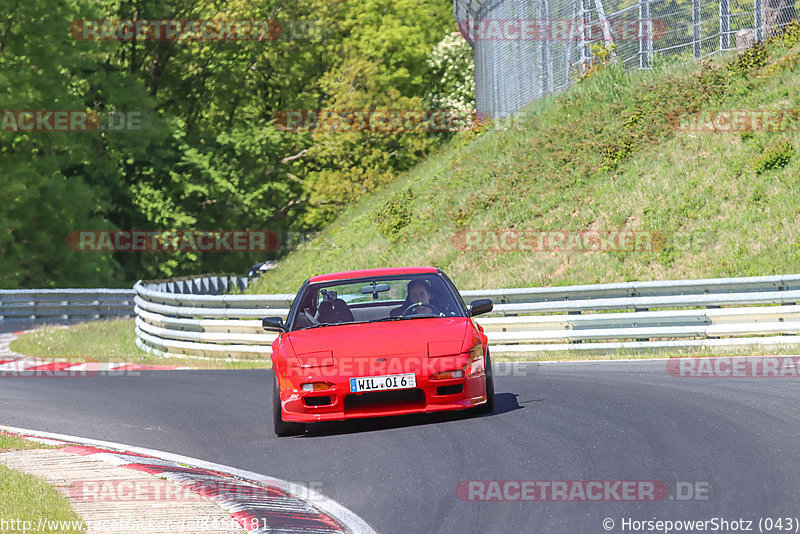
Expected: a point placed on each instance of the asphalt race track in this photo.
(579, 421)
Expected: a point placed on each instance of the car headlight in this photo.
(445, 375)
(315, 386)
(475, 364)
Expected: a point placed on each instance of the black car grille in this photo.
(450, 390)
(376, 400)
(318, 401)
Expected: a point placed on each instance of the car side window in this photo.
(308, 304)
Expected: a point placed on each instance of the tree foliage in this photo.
(209, 155)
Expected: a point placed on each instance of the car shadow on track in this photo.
(503, 403)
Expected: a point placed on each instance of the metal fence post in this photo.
(645, 35)
(759, 20)
(571, 41)
(584, 16)
(546, 70)
(698, 50)
(724, 25)
(607, 37)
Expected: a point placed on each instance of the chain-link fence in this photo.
(525, 49)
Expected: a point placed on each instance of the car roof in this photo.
(346, 275)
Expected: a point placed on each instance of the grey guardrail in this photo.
(66, 304)
(701, 286)
(170, 318)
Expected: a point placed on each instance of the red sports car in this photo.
(378, 342)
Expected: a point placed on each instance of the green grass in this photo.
(110, 341)
(11, 442)
(604, 155)
(28, 498)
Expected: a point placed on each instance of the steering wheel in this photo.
(433, 308)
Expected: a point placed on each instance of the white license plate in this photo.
(380, 383)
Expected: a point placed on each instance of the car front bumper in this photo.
(339, 403)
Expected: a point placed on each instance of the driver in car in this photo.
(419, 294)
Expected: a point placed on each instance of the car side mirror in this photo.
(273, 324)
(480, 306)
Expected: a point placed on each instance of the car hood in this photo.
(439, 336)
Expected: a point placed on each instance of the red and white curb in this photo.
(5, 342)
(261, 504)
(39, 367)
(15, 364)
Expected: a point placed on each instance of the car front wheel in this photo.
(282, 428)
(489, 406)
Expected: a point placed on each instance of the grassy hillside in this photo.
(604, 155)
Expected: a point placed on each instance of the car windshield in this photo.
(366, 300)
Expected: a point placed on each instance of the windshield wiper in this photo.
(318, 325)
(334, 324)
(398, 318)
(402, 317)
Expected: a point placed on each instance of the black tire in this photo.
(282, 428)
(489, 406)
